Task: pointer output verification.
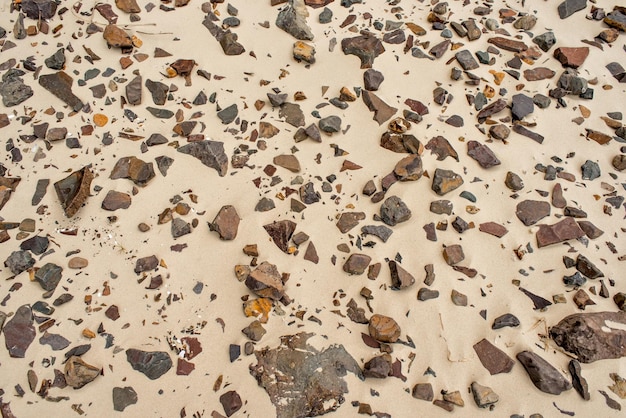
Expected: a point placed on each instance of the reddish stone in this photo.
(571, 57)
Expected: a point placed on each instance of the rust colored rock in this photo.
(453, 254)
(60, 84)
(384, 328)
(571, 57)
(508, 44)
(266, 282)
(539, 73)
(493, 359)
(349, 220)
(226, 223)
(491, 110)
(78, 373)
(366, 47)
(288, 161)
(357, 263)
(409, 168)
(128, 6)
(561, 231)
(132, 168)
(382, 111)
(400, 278)
(281, 232)
(482, 154)
(445, 181)
(116, 200)
(74, 190)
(231, 401)
(493, 228)
(532, 211)
(116, 37)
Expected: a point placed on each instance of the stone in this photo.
(355, 313)
(521, 106)
(616, 19)
(400, 278)
(39, 9)
(384, 329)
(292, 19)
(445, 181)
(492, 358)
(365, 47)
(128, 6)
(78, 373)
(231, 402)
(382, 111)
(117, 37)
(558, 201)
(325, 16)
(254, 331)
(123, 397)
(19, 261)
(506, 320)
(619, 162)
(466, 60)
(146, 264)
(210, 153)
(265, 281)
(578, 381)
(513, 181)
(226, 223)
(287, 161)
(484, 396)
(491, 110)
(508, 44)
(409, 168)
(482, 154)
(303, 52)
(381, 231)
(286, 373)
(372, 79)
(56, 61)
(590, 170)
(493, 228)
(561, 231)
(12, 88)
(425, 294)
(458, 298)
(19, 332)
(537, 74)
(545, 41)
(590, 229)
(620, 300)
(571, 57)
(281, 232)
(571, 83)
(116, 200)
(590, 336)
(394, 211)
(543, 375)
(132, 168)
(453, 254)
(441, 147)
(37, 244)
(153, 364)
(60, 85)
(158, 91)
(526, 22)
(74, 190)
(48, 276)
(293, 115)
(357, 263)
(401, 143)
(378, 367)
(569, 7)
(423, 391)
(349, 220)
(532, 211)
(228, 114)
(586, 267)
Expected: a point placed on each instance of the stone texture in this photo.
(48, 276)
(569, 7)
(484, 396)
(423, 391)
(19, 261)
(563, 230)
(60, 85)
(590, 337)
(153, 364)
(349, 220)
(357, 263)
(492, 358)
(115, 200)
(543, 375)
(400, 278)
(231, 402)
(123, 397)
(506, 320)
(365, 47)
(482, 154)
(265, 281)
(384, 329)
(578, 381)
(382, 111)
(292, 19)
(372, 79)
(134, 169)
(453, 254)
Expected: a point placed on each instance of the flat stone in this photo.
(571, 57)
(231, 402)
(116, 200)
(458, 298)
(590, 336)
(37, 244)
(19, 332)
(508, 44)
(49, 276)
(13, 90)
(378, 367)
(153, 364)
(394, 211)
(539, 73)
(506, 320)
(423, 391)
(590, 170)
(381, 231)
(492, 358)
(265, 281)
(491, 110)
(254, 331)
(226, 223)
(158, 91)
(493, 228)
(484, 396)
(382, 111)
(526, 22)
(569, 7)
(210, 153)
(590, 229)
(60, 85)
(400, 278)
(401, 143)
(77, 263)
(445, 181)
(132, 168)
(117, 37)
(39, 9)
(123, 397)
(74, 190)
(616, 19)
(482, 154)
(619, 162)
(292, 19)
(287, 161)
(466, 60)
(441, 147)
(281, 233)
(586, 267)
(357, 263)
(365, 47)
(521, 106)
(384, 329)
(349, 220)
(228, 114)
(55, 341)
(293, 115)
(19, 261)
(78, 373)
(543, 375)
(304, 52)
(532, 211)
(578, 381)
(558, 201)
(425, 294)
(453, 254)
(146, 264)
(409, 168)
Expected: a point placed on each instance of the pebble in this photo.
(569, 7)
(49, 276)
(423, 391)
(123, 397)
(484, 396)
(394, 211)
(384, 329)
(357, 263)
(425, 294)
(482, 154)
(372, 79)
(400, 278)
(492, 358)
(78, 373)
(453, 254)
(116, 200)
(532, 211)
(445, 181)
(226, 223)
(231, 402)
(506, 320)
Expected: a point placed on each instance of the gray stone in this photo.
(292, 19)
(210, 153)
(425, 294)
(39, 9)
(158, 91)
(372, 79)
(545, 41)
(543, 375)
(293, 115)
(325, 16)
(394, 211)
(12, 88)
(381, 231)
(123, 397)
(153, 364)
(513, 181)
(506, 320)
(330, 124)
(521, 106)
(49, 276)
(133, 91)
(423, 391)
(400, 278)
(482, 154)
(590, 170)
(357, 263)
(445, 181)
(466, 60)
(228, 114)
(569, 7)
(578, 381)
(179, 228)
(572, 83)
(19, 261)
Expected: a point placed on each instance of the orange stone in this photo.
(100, 120)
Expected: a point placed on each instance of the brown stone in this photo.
(441, 147)
(132, 168)
(384, 329)
(288, 161)
(382, 111)
(532, 211)
(231, 401)
(78, 373)
(543, 375)
(409, 168)
(558, 201)
(400, 278)
(349, 220)
(74, 189)
(582, 299)
(453, 254)
(482, 154)
(493, 228)
(265, 281)
(281, 232)
(561, 231)
(445, 181)
(77, 263)
(19, 332)
(357, 263)
(508, 44)
(128, 6)
(539, 73)
(226, 223)
(571, 57)
(116, 200)
(423, 391)
(493, 359)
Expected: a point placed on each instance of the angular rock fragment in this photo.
(493, 228)
(372, 79)
(384, 328)
(400, 278)
(292, 19)
(357, 263)
(281, 232)
(453, 254)
(409, 168)
(303, 52)
(578, 381)
(38, 9)
(210, 153)
(254, 331)
(445, 181)
(569, 7)
(617, 19)
(381, 231)
(382, 111)
(423, 391)
(484, 396)
(19, 261)
(492, 358)
(506, 320)
(508, 44)
(441, 147)
(132, 168)
(378, 367)
(48, 276)
(78, 373)
(394, 211)
(231, 402)
(349, 220)
(401, 143)
(265, 281)
(590, 336)
(491, 110)
(313, 380)
(563, 230)
(74, 190)
(116, 37)
(226, 223)
(19, 332)
(115, 200)
(532, 211)
(365, 47)
(543, 375)
(571, 57)
(482, 154)
(153, 364)
(123, 397)
(13, 90)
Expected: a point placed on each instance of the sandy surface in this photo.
(443, 333)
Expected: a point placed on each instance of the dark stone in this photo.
(133, 91)
(400, 278)
(60, 84)
(39, 9)
(440, 207)
(460, 225)
(586, 267)
(445, 181)
(19, 261)
(292, 19)
(546, 40)
(425, 294)
(575, 279)
(55, 341)
(12, 88)
(382, 111)
(132, 168)
(210, 153)
(231, 401)
(482, 154)
(543, 375)
(506, 320)
(158, 91)
(153, 364)
(378, 367)
(400, 143)
(356, 263)
(522, 130)
(308, 195)
(265, 281)
(115, 200)
(521, 106)
(466, 60)
(423, 391)
(617, 19)
(179, 228)
(532, 211)
(492, 358)
(281, 233)
(569, 7)
(78, 373)
(349, 220)
(123, 397)
(578, 381)
(586, 335)
(394, 211)
(590, 170)
(381, 231)
(228, 114)
(293, 115)
(366, 47)
(484, 396)
(330, 124)
(491, 110)
(226, 223)
(538, 302)
(49, 276)
(146, 264)
(19, 332)
(372, 79)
